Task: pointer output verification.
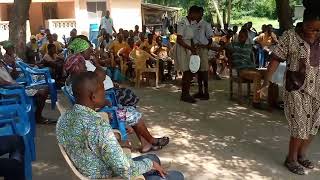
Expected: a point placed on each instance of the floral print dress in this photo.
(302, 104)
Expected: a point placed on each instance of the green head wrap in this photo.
(7, 44)
(78, 45)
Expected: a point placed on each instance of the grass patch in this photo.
(256, 21)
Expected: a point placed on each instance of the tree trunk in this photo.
(285, 13)
(216, 8)
(224, 16)
(17, 25)
(229, 11)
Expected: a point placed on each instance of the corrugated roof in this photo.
(159, 7)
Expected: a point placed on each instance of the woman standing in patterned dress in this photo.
(301, 50)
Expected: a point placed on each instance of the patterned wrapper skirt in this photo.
(129, 114)
(126, 97)
(302, 113)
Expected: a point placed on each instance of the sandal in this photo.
(161, 141)
(46, 122)
(305, 162)
(152, 148)
(294, 167)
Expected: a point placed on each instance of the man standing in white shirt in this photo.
(184, 49)
(203, 39)
(107, 23)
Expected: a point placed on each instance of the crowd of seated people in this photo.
(261, 42)
(79, 64)
(111, 47)
(8, 74)
(246, 51)
(44, 50)
(90, 142)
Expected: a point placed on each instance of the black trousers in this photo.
(12, 168)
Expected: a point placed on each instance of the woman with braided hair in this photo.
(301, 50)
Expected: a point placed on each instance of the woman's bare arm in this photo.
(272, 67)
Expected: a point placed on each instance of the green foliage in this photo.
(256, 8)
(256, 21)
(240, 8)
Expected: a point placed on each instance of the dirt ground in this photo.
(216, 139)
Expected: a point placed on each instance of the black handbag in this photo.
(295, 79)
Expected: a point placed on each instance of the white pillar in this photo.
(81, 15)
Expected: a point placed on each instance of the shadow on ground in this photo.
(216, 139)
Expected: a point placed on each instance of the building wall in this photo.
(3, 12)
(126, 13)
(65, 10)
(36, 17)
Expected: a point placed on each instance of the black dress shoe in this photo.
(198, 95)
(205, 97)
(188, 99)
(257, 106)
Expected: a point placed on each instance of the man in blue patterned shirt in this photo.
(91, 144)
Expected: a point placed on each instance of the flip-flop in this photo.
(294, 167)
(152, 148)
(162, 141)
(305, 163)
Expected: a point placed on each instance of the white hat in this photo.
(194, 64)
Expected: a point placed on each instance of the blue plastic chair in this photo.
(29, 74)
(261, 57)
(116, 122)
(17, 123)
(18, 96)
(68, 95)
(165, 40)
(111, 97)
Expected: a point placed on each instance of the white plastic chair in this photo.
(79, 175)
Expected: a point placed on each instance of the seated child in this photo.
(54, 62)
(213, 55)
(146, 46)
(239, 54)
(115, 47)
(124, 53)
(161, 53)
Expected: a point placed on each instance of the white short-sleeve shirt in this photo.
(107, 24)
(185, 29)
(108, 84)
(203, 32)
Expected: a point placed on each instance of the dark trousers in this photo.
(153, 175)
(186, 83)
(203, 82)
(165, 65)
(12, 168)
